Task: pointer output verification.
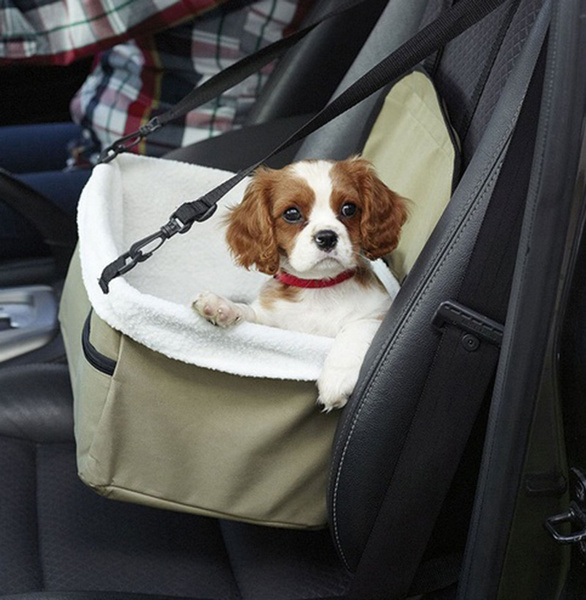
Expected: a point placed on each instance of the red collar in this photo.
(289, 279)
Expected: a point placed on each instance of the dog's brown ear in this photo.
(250, 234)
(383, 211)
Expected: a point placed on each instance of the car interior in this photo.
(501, 522)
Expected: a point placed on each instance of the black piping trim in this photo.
(100, 362)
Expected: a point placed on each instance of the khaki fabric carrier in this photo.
(203, 420)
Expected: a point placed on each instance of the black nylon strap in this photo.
(457, 384)
(446, 27)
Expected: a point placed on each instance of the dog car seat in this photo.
(61, 537)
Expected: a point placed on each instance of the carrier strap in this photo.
(448, 25)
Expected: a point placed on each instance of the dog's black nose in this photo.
(326, 239)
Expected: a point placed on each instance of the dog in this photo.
(314, 226)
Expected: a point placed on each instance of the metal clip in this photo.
(575, 516)
(121, 145)
(129, 141)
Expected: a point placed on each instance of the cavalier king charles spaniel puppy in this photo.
(314, 226)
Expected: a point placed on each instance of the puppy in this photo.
(313, 226)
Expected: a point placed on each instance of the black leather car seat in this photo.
(61, 541)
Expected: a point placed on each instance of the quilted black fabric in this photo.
(90, 543)
(474, 67)
(19, 549)
(270, 563)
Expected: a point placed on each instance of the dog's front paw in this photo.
(216, 309)
(335, 386)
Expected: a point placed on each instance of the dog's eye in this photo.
(348, 209)
(293, 215)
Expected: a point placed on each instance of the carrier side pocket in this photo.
(100, 347)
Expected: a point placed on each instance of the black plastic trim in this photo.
(468, 320)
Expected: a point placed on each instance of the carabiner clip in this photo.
(139, 251)
(128, 141)
(122, 145)
(136, 251)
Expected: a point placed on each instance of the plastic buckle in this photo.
(474, 324)
(191, 212)
(207, 214)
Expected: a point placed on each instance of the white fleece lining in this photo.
(133, 196)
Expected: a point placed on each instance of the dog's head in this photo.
(315, 218)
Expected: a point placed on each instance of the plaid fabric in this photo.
(152, 53)
(58, 31)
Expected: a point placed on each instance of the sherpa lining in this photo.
(133, 196)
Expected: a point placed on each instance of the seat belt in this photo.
(458, 382)
(448, 25)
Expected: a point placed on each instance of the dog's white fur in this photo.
(259, 235)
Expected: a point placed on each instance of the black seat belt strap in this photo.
(450, 23)
(458, 381)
